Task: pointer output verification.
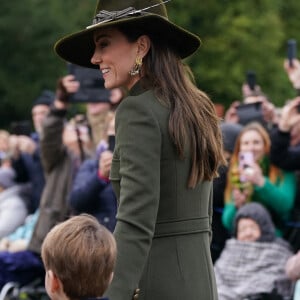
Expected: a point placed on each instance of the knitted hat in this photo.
(149, 15)
(7, 177)
(46, 98)
(230, 131)
(261, 216)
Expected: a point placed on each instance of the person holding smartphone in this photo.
(97, 109)
(286, 143)
(255, 106)
(254, 178)
(292, 65)
(285, 154)
(286, 138)
(92, 191)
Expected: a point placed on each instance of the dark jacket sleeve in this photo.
(282, 154)
(20, 165)
(86, 187)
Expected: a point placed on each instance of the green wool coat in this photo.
(163, 228)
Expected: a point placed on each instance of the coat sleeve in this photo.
(228, 215)
(281, 154)
(280, 197)
(138, 142)
(52, 149)
(86, 187)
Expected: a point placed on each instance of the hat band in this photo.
(106, 16)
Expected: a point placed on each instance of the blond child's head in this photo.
(79, 257)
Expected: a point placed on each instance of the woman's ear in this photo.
(143, 45)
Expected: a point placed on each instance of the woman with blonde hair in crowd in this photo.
(257, 179)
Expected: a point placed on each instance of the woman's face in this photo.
(115, 56)
(248, 230)
(252, 141)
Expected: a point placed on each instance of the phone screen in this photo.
(246, 160)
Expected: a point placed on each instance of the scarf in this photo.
(247, 268)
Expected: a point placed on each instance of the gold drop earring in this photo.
(136, 70)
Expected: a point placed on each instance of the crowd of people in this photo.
(58, 171)
(156, 195)
(262, 169)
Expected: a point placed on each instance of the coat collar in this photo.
(137, 89)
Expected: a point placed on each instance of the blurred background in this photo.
(237, 35)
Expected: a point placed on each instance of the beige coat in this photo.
(58, 167)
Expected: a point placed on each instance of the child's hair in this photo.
(82, 254)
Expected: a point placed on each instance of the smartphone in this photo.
(91, 85)
(251, 79)
(291, 51)
(250, 112)
(111, 143)
(21, 128)
(246, 159)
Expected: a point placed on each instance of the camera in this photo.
(250, 112)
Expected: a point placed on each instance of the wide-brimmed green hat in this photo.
(78, 47)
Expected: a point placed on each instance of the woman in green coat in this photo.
(168, 149)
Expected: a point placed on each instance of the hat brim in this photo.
(78, 47)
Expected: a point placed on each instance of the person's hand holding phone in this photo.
(268, 111)
(105, 163)
(70, 84)
(253, 174)
(290, 115)
(293, 71)
(231, 115)
(249, 169)
(66, 86)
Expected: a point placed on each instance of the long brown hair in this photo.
(192, 113)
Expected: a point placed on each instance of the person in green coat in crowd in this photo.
(257, 180)
(168, 150)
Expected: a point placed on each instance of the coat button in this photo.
(136, 294)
